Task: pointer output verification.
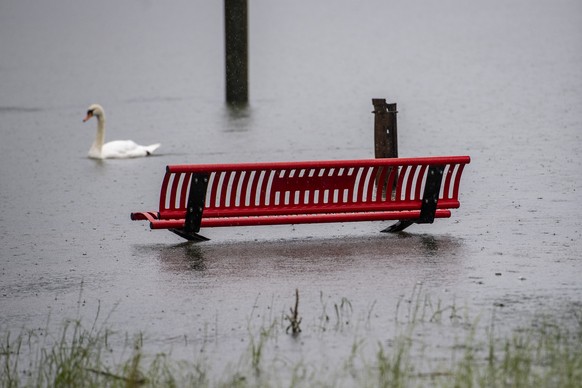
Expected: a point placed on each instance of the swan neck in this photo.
(99, 139)
(101, 130)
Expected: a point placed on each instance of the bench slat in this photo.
(299, 219)
(318, 164)
(289, 210)
(265, 188)
(457, 184)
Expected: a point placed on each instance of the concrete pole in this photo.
(236, 51)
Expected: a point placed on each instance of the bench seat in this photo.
(410, 190)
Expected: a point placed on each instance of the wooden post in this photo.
(385, 137)
(385, 129)
(236, 51)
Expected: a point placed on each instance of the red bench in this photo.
(410, 190)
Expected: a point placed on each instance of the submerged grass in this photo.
(546, 353)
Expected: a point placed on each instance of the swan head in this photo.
(95, 110)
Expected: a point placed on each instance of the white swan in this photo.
(119, 149)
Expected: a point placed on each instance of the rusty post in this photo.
(236, 51)
(385, 137)
(385, 129)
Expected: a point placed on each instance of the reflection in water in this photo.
(184, 257)
(99, 163)
(238, 118)
(429, 243)
(306, 256)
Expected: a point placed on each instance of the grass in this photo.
(545, 353)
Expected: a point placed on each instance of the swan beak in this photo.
(89, 115)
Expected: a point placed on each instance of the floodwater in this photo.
(500, 81)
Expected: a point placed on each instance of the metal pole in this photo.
(385, 129)
(236, 51)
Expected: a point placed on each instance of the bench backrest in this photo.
(309, 187)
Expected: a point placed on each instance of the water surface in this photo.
(500, 81)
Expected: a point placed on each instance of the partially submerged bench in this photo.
(410, 190)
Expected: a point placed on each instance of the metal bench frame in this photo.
(410, 190)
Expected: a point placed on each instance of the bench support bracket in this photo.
(189, 236)
(430, 199)
(196, 199)
(398, 226)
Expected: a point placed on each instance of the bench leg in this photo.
(429, 201)
(196, 199)
(398, 227)
(189, 236)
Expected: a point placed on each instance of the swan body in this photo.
(118, 149)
